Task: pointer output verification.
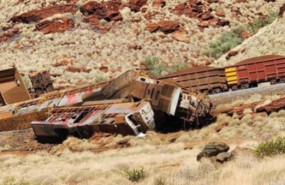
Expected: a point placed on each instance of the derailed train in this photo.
(245, 74)
(143, 98)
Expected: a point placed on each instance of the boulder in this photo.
(158, 3)
(152, 27)
(281, 10)
(39, 14)
(8, 34)
(224, 22)
(206, 16)
(204, 24)
(231, 54)
(92, 7)
(213, 149)
(113, 15)
(55, 26)
(92, 19)
(168, 26)
(135, 5)
(224, 156)
(105, 10)
(104, 69)
(181, 35)
(220, 13)
(245, 34)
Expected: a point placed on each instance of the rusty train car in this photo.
(245, 74)
(130, 118)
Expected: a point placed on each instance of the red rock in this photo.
(213, 1)
(55, 25)
(281, 10)
(224, 22)
(204, 24)
(9, 34)
(206, 16)
(113, 15)
(135, 47)
(92, 19)
(220, 13)
(178, 10)
(93, 7)
(244, 34)
(36, 15)
(181, 35)
(135, 5)
(106, 10)
(231, 54)
(214, 22)
(158, 3)
(168, 26)
(152, 27)
(104, 69)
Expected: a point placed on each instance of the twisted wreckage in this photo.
(128, 104)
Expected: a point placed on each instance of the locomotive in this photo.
(245, 74)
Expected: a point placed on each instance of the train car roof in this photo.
(260, 59)
(190, 70)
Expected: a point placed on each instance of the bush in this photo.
(157, 69)
(135, 175)
(100, 79)
(261, 22)
(271, 147)
(233, 38)
(225, 43)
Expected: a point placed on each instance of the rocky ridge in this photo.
(101, 39)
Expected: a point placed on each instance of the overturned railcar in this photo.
(12, 87)
(120, 118)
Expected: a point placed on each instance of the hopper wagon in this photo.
(245, 74)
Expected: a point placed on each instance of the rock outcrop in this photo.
(163, 26)
(200, 10)
(135, 5)
(39, 14)
(8, 34)
(55, 26)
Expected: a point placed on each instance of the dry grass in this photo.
(162, 164)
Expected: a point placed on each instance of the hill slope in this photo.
(80, 43)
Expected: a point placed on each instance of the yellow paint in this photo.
(230, 69)
(232, 78)
(231, 74)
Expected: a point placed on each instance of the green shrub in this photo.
(233, 38)
(271, 147)
(100, 79)
(157, 69)
(135, 175)
(255, 25)
(225, 43)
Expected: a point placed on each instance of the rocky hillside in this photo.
(84, 41)
(268, 40)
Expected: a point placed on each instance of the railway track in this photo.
(230, 96)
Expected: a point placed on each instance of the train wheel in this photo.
(217, 90)
(282, 80)
(235, 87)
(273, 81)
(245, 86)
